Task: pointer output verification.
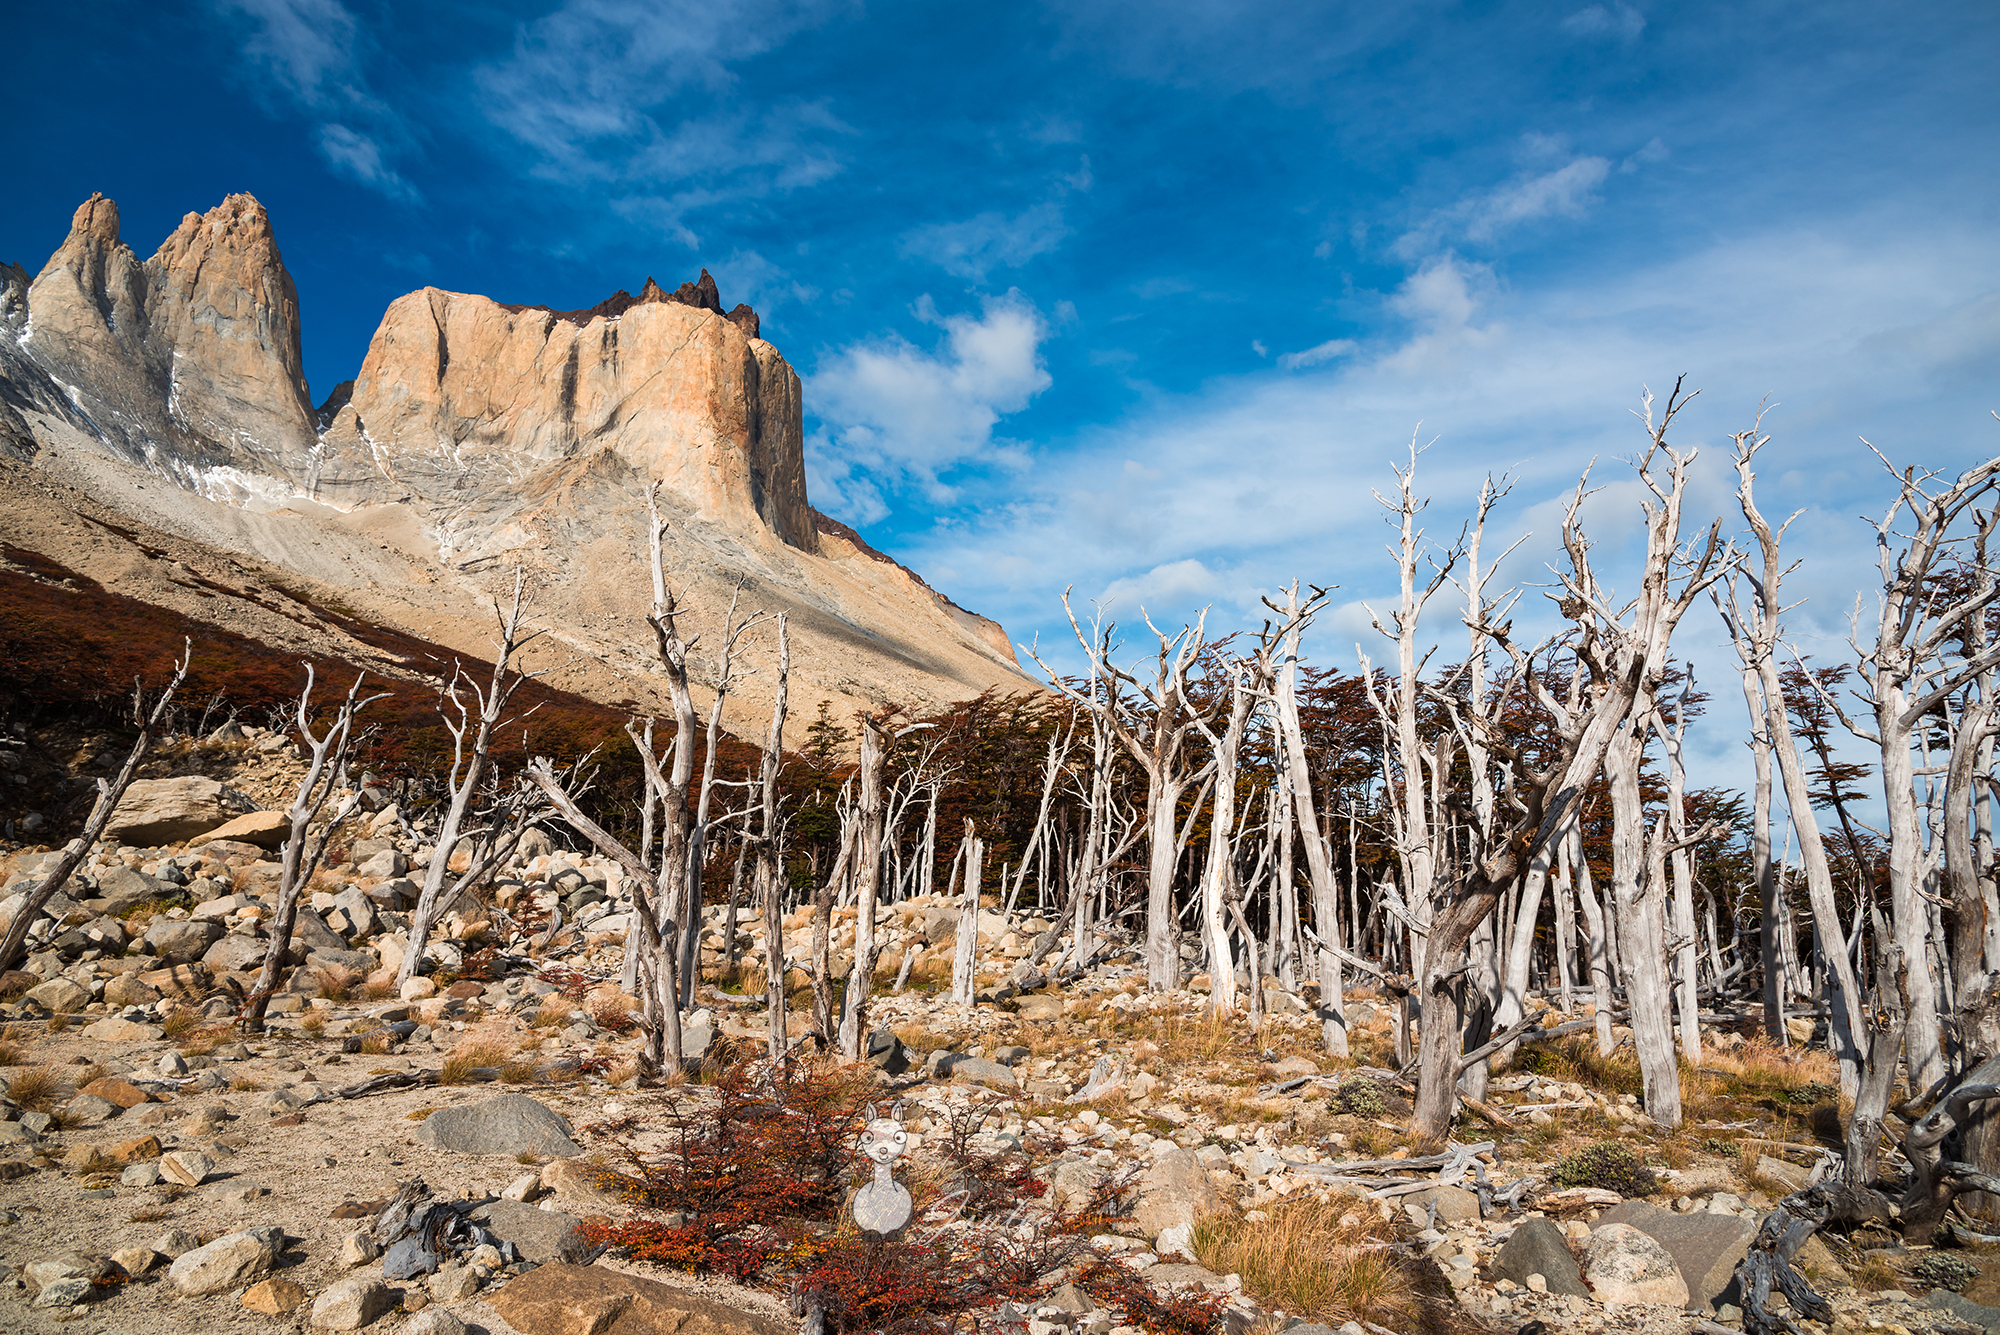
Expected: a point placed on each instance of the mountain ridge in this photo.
(476, 437)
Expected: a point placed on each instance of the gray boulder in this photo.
(1175, 1190)
(510, 1124)
(1705, 1246)
(226, 1263)
(122, 887)
(1537, 1247)
(540, 1236)
(236, 952)
(167, 811)
(186, 939)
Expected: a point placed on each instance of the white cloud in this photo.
(1315, 356)
(594, 70)
(312, 51)
(1618, 22)
(891, 411)
(990, 240)
(1568, 191)
(1880, 328)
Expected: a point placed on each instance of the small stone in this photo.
(186, 1168)
(352, 1304)
(116, 1029)
(433, 1321)
(63, 1293)
(89, 1108)
(175, 1242)
(135, 1260)
(526, 1187)
(223, 1264)
(1538, 1283)
(359, 1248)
(452, 1283)
(241, 1191)
(136, 1151)
(140, 1175)
(274, 1296)
(1624, 1265)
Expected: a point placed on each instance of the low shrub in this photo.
(38, 1088)
(1942, 1270)
(1606, 1164)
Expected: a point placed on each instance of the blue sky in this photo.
(1142, 298)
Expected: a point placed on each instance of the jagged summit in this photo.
(700, 294)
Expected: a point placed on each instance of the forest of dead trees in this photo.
(1470, 818)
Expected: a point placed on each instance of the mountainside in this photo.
(476, 437)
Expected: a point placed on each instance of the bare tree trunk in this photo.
(109, 794)
(468, 768)
(868, 872)
(1597, 928)
(301, 857)
(965, 956)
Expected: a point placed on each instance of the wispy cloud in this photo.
(1568, 191)
(311, 53)
(892, 412)
(1617, 22)
(641, 97)
(1314, 356)
(972, 247)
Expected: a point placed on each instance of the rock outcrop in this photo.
(476, 438)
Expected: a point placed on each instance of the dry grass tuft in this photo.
(12, 1053)
(377, 991)
(469, 1057)
(375, 1044)
(200, 1042)
(519, 1070)
(58, 1024)
(38, 1087)
(89, 1075)
(335, 983)
(1327, 1261)
(555, 1012)
(312, 1022)
(183, 1021)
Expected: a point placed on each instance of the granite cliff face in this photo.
(187, 362)
(476, 437)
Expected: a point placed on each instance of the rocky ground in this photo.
(162, 1172)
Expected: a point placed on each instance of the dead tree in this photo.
(326, 766)
(770, 881)
(1755, 630)
(697, 840)
(1907, 673)
(1154, 736)
(109, 793)
(1220, 891)
(868, 877)
(1282, 666)
(660, 1017)
(472, 742)
(1625, 648)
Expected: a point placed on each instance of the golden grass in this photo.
(38, 1087)
(183, 1021)
(12, 1053)
(58, 1024)
(469, 1057)
(375, 1044)
(1326, 1261)
(89, 1075)
(312, 1022)
(335, 983)
(202, 1041)
(555, 1012)
(377, 991)
(518, 1071)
